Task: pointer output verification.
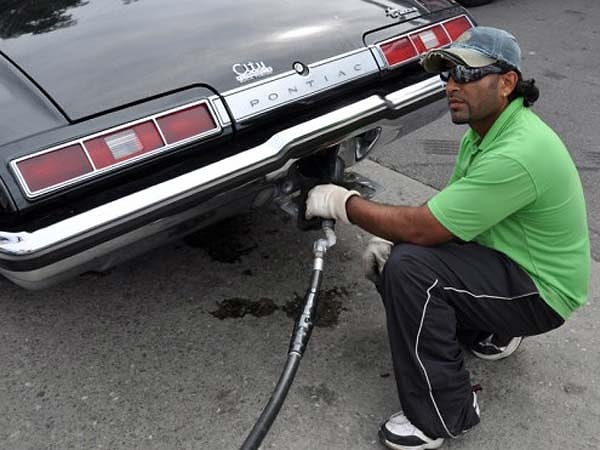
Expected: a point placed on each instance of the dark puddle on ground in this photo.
(226, 241)
(236, 307)
(329, 308)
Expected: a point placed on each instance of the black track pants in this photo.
(433, 297)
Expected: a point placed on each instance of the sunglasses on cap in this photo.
(463, 74)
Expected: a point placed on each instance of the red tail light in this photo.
(55, 167)
(407, 47)
(92, 155)
(431, 38)
(125, 144)
(186, 123)
(398, 51)
(458, 26)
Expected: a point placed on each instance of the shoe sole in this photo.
(512, 346)
(427, 446)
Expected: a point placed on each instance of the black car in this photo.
(126, 124)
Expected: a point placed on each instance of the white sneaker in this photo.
(495, 347)
(399, 434)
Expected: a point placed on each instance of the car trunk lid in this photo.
(92, 57)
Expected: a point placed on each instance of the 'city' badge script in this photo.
(251, 71)
(273, 92)
(400, 13)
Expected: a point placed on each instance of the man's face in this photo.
(477, 101)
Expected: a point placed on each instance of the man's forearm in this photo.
(414, 224)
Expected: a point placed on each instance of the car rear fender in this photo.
(26, 110)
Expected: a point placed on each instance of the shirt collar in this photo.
(503, 119)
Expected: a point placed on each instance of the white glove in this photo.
(328, 201)
(374, 257)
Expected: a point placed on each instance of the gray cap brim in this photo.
(438, 60)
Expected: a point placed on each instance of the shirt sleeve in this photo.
(494, 188)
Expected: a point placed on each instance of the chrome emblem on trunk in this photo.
(400, 13)
(251, 71)
(264, 95)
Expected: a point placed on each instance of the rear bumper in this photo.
(107, 234)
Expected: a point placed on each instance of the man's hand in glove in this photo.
(374, 258)
(328, 201)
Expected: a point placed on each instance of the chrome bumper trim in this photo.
(122, 210)
(415, 93)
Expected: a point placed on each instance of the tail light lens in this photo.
(458, 26)
(92, 155)
(408, 47)
(431, 38)
(129, 143)
(186, 123)
(54, 168)
(399, 50)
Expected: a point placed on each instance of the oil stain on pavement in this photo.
(224, 241)
(236, 307)
(329, 308)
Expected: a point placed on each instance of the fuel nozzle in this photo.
(337, 177)
(328, 227)
(330, 172)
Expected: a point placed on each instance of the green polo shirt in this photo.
(517, 191)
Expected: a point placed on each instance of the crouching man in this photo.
(502, 252)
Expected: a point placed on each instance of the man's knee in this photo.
(405, 279)
(404, 258)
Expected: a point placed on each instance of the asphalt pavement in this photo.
(182, 350)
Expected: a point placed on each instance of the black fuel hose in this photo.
(300, 337)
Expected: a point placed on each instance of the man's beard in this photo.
(459, 120)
